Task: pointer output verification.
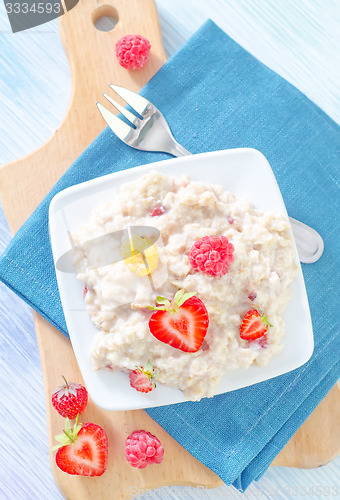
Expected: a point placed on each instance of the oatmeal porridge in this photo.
(161, 235)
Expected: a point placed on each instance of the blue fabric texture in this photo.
(215, 96)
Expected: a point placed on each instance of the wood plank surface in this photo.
(93, 67)
(317, 442)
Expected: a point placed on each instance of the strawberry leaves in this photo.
(181, 296)
(173, 306)
(69, 435)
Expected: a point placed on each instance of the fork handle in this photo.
(177, 150)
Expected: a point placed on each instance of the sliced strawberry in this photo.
(182, 323)
(84, 452)
(143, 379)
(253, 325)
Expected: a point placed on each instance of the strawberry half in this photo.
(83, 449)
(144, 379)
(181, 323)
(254, 325)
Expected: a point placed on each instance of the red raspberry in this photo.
(142, 449)
(133, 51)
(212, 255)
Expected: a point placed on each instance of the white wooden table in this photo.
(297, 38)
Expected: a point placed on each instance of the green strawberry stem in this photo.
(265, 319)
(66, 382)
(71, 438)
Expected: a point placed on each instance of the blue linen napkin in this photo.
(215, 96)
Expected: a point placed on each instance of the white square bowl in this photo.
(244, 172)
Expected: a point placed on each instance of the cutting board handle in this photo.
(93, 64)
(84, 43)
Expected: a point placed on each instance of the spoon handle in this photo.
(309, 243)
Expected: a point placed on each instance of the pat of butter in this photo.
(140, 255)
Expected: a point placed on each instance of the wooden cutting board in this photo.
(93, 67)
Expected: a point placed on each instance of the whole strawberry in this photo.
(83, 449)
(143, 448)
(70, 399)
(143, 379)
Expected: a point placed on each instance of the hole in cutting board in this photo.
(105, 18)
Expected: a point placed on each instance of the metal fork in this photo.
(151, 132)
